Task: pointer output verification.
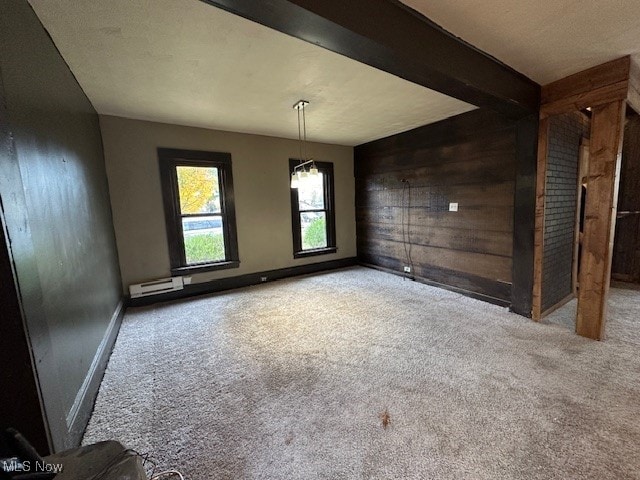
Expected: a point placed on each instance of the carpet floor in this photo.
(361, 374)
(623, 324)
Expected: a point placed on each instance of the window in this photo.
(198, 204)
(312, 215)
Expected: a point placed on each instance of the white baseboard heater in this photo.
(156, 287)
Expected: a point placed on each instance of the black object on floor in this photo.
(107, 460)
(19, 460)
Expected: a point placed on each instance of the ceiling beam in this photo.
(390, 36)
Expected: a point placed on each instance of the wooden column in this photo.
(607, 129)
(606, 89)
(538, 250)
(524, 216)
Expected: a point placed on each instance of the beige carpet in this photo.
(623, 324)
(291, 379)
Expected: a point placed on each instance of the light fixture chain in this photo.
(299, 138)
(304, 126)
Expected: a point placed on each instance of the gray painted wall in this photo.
(57, 211)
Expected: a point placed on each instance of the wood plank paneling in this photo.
(607, 126)
(468, 284)
(633, 97)
(606, 89)
(463, 239)
(599, 85)
(481, 159)
(580, 101)
(455, 130)
(626, 251)
(543, 143)
(587, 80)
(484, 265)
(436, 197)
(470, 160)
(498, 219)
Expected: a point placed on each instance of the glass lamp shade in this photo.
(294, 180)
(313, 171)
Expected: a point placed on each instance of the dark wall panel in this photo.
(565, 134)
(17, 380)
(58, 218)
(469, 159)
(524, 214)
(626, 252)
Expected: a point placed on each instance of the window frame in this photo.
(169, 159)
(326, 168)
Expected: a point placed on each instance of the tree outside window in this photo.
(199, 211)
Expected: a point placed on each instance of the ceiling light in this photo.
(307, 167)
(294, 180)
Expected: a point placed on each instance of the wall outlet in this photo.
(263, 279)
(453, 207)
(407, 269)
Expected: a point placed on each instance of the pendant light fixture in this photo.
(307, 166)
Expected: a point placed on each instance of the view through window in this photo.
(198, 199)
(312, 212)
(201, 216)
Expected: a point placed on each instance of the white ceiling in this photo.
(544, 39)
(188, 63)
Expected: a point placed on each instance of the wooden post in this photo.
(583, 170)
(538, 251)
(607, 130)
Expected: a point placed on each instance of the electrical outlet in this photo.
(407, 269)
(453, 207)
(263, 279)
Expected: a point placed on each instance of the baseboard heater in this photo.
(156, 287)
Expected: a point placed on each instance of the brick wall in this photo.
(565, 133)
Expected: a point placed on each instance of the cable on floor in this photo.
(167, 474)
(406, 235)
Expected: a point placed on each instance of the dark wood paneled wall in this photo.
(626, 253)
(469, 159)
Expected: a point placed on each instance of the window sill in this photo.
(314, 252)
(205, 267)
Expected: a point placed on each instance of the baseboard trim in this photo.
(82, 407)
(467, 293)
(241, 281)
